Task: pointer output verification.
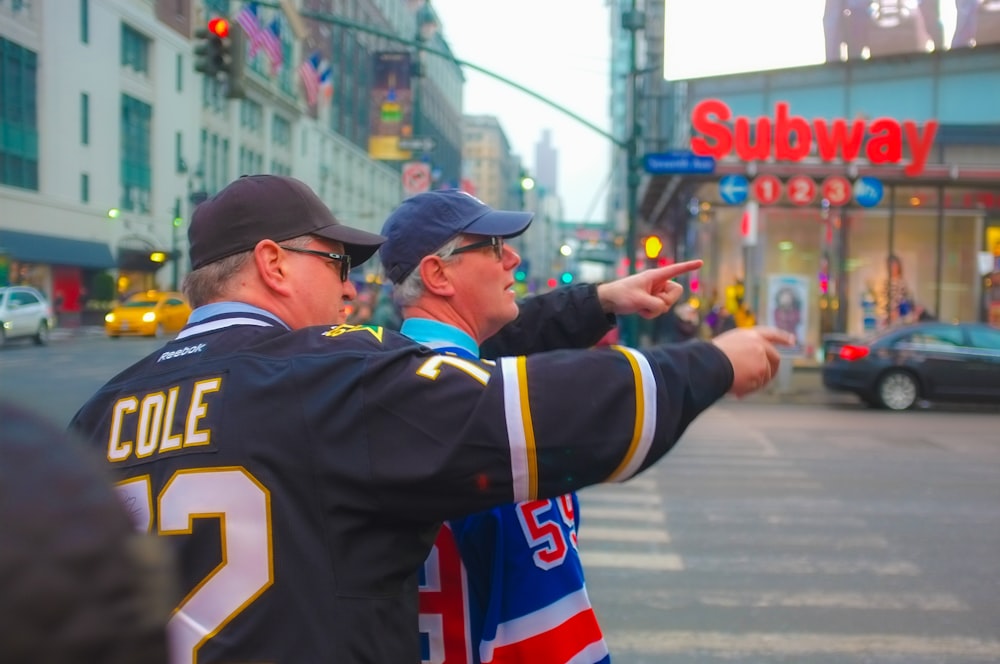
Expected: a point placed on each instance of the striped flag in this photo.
(247, 18)
(309, 71)
(270, 41)
(326, 80)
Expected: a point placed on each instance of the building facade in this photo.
(99, 173)
(860, 193)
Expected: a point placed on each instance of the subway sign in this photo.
(787, 137)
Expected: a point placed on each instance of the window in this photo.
(135, 50)
(85, 21)
(281, 131)
(984, 337)
(18, 116)
(136, 171)
(84, 188)
(180, 73)
(84, 118)
(179, 164)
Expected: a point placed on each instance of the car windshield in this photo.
(140, 304)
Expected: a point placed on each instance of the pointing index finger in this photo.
(677, 269)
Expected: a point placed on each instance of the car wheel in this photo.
(42, 335)
(898, 390)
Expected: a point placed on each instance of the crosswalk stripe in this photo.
(622, 514)
(746, 645)
(659, 562)
(901, 601)
(609, 534)
(778, 564)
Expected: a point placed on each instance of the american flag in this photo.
(309, 71)
(247, 18)
(270, 41)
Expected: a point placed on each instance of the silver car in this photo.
(24, 313)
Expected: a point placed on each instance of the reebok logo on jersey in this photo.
(187, 350)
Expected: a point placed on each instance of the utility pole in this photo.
(633, 21)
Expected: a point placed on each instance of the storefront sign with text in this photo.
(787, 137)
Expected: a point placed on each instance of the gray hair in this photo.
(211, 282)
(412, 288)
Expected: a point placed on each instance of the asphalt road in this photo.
(787, 527)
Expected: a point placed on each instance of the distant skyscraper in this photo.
(546, 163)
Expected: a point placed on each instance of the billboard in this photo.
(717, 37)
(391, 111)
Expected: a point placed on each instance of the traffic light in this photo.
(652, 245)
(566, 277)
(220, 53)
(209, 51)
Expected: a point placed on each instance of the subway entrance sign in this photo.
(677, 162)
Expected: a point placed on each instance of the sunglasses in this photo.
(495, 241)
(345, 260)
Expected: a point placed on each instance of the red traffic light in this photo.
(219, 27)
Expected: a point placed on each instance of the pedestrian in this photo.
(79, 583)
(302, 467)
(448, 255)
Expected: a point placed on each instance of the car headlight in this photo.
(148, 317)
(109, 318)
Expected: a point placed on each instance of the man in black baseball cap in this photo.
(268, 207)
(268, 241)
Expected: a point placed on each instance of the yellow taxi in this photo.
(149, 314)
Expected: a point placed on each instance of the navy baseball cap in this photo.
(422, 224)
(268, 207)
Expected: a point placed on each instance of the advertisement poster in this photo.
(787, 298)
(765, 35)
(391, 112)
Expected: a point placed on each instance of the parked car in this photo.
(929, 361)
(148, 314)
(24, 313)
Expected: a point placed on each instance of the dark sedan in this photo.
(929, 361)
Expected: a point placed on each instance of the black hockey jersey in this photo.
(302, 475)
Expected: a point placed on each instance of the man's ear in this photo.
(437, 280)
(272, 265)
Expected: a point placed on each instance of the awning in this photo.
(35, 248)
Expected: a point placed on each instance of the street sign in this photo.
(678, 162)
(868, 191)
(417, 143)
(733, 189)
(416, 177)
(801, 190)
(836, 190)
(766, 189)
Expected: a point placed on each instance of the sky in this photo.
(560, 49)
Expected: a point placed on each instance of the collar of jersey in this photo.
(214, 309)
(218, 315)
(440, 336)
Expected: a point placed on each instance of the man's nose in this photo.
(511, 258)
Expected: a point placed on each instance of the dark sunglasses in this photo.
(345, 260)
(495, 241)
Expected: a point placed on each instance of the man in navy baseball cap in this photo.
(422, 224)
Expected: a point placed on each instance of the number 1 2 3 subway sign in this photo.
(789, 137)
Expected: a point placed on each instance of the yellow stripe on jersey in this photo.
(520, 431)
(645, 417)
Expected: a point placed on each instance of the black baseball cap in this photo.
(422, 224)
(268, 207)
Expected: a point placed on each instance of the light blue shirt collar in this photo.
(439, 336)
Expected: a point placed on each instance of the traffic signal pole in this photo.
(633, 21)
